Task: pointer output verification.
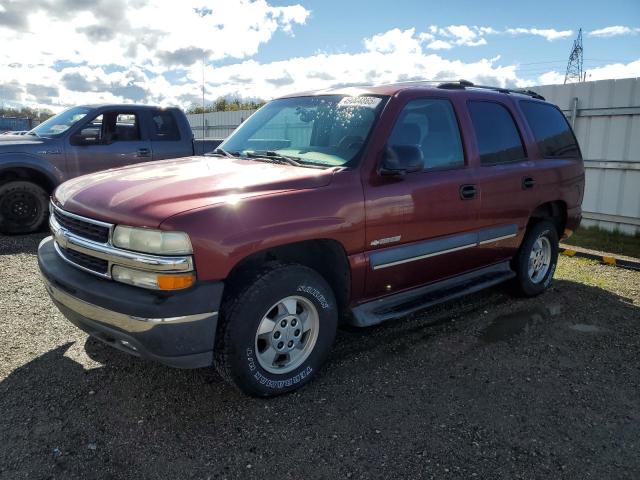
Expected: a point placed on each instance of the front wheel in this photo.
(23, 207)
(276, 333)
(537, 259)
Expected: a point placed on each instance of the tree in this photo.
(227, 104)
(26, 112)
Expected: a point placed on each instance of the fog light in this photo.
(155, 281)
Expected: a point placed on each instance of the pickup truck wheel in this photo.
(537, 258)
(23, 207)
(276, 333)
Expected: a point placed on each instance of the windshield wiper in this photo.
(274, 156)
(219, 152)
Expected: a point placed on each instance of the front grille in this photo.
(90, 231)
(91, 263)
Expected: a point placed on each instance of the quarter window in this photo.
(550, 129)
(496, 133)
(431, 125)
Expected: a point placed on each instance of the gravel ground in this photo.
(486, 387)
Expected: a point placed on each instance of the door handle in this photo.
(528, 182)
(467, 192)
(143, 153)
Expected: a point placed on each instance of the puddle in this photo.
(585, 328)
(506, 326)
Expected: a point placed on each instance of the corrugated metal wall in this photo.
(12, 123)
(607, 124)
(217, 125)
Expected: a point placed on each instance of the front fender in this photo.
(224, 234)
(31, 161)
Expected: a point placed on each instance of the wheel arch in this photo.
(326, 256)
(30, 169)
(554, 211)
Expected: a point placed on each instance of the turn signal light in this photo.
(175, 282)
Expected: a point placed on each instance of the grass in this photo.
(611, 242)
(581, 270)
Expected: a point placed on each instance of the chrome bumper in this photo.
(128, 323)
(176, 329)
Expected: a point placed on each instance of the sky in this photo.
(58, 53)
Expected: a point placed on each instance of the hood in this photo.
(147, 194)
(21, 143)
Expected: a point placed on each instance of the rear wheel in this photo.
(537, 258)
(23, 207)
(276, 333)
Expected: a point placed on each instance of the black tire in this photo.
(236, 356)
(24, 207)
(524, 284)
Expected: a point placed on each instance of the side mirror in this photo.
(87, 136)
(399, 160)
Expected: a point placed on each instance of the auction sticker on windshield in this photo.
(369, 102)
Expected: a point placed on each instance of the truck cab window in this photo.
(431, 125)
(110, 127)
(126, 128)
(164, 127)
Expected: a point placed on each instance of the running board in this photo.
(404, 303)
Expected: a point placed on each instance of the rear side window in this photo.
(164, 127)
(496, 133)
(431, 125)
(550, 129)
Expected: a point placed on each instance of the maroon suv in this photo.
(359, 205)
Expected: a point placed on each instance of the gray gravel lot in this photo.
(486, 387)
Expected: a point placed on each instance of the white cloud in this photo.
(321, 71)
(156, 33)
(439, 45)
(461, 35)
(395, 40)
(109, 51)
(551, 78)
(613, 70)
(58, 52)
(548, 33)
(613, 31)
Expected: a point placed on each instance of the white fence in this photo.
(217, 125)
(606, 118)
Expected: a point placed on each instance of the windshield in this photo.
(328, 130)
(58, 124)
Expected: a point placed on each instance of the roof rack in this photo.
(463, 84)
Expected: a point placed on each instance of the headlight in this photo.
(151, 241)
(156, 281)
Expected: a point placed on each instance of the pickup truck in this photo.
(81, 140)
(358, 206)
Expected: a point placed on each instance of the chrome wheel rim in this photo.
(287, 334)
(539, 259)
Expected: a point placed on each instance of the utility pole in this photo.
(574, 66)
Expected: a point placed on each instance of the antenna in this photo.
(574, 66)
(203, 127)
